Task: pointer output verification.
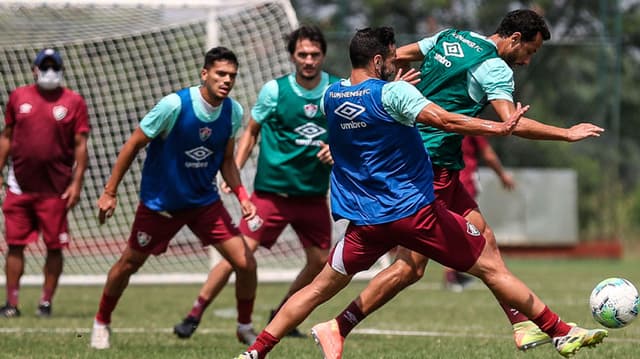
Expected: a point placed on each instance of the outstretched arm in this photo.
(532, 129)
(436, 116)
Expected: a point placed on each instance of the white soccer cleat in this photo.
(246, 334)
(249, 355)
(100, 336)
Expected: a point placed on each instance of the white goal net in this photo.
(123, 56)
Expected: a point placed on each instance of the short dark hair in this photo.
(527, 22)
(219, 53)
(369, 42)
(309, 32)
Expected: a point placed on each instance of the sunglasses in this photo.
(46, 67)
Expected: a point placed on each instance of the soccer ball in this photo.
(614, 302)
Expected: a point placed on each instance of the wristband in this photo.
(109, 192)
(241, 193)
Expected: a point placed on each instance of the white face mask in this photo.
(49, 80)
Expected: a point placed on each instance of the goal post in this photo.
(123, 56)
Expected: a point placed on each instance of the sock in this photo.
(47, 295)
(199, 307)
(264, 343)
(349, 318)
(107, 305)
(12, 295)
(245, 310)
(513, 315)
(550, 323)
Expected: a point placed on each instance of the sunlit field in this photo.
(424, 321)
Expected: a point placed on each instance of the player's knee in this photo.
(247, 265)
(406, 274)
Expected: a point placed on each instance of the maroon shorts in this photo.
(451, 192)
(309, 217)
(152, 231)
(27, 214)
(433, 231)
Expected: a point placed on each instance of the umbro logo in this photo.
(349, 110)
(452, 49)
(310, 130)
(199, 153)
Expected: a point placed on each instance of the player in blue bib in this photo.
(190, 136)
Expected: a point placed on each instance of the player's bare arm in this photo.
(231, 176)
(81, 155)
(434, 115)
(5, 147)
(107, 201)
(246, 143)
(532, 129)
(409, 53)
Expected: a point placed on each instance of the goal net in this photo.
(123, 56)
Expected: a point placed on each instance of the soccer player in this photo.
(463, 71)
(473, 148)
(382, 182)
(190, 136)
(45, 135)
(292, 176)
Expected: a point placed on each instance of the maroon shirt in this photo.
(43, 141)
(471, 147)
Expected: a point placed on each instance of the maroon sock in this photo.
(264, 343)
(47, 295)
(245, 310)
(514, 315)
(12, 295)
(199, 307)
(550, 323)
(349, 318)
(107, 305)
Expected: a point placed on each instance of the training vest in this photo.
(180, 170)
(381, 172)
(443, 80)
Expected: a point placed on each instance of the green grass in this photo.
(446, 325)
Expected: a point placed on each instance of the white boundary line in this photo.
(79, 332)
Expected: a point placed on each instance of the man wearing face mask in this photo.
(45, 135)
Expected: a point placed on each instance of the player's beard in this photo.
(311, 77)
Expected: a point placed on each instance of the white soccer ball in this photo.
(614, 302)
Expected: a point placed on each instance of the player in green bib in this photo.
(463, 72)
(292, 174)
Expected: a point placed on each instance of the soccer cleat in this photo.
(249, 355)
(186, 329)
(577, 338)
(294, 333)
(246, 335)
(100, 336)
(9, 311)
(327, 336)
(44, 310)
(527, 335)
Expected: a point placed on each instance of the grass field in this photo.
(422, 322)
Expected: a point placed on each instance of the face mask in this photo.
(49, 80)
